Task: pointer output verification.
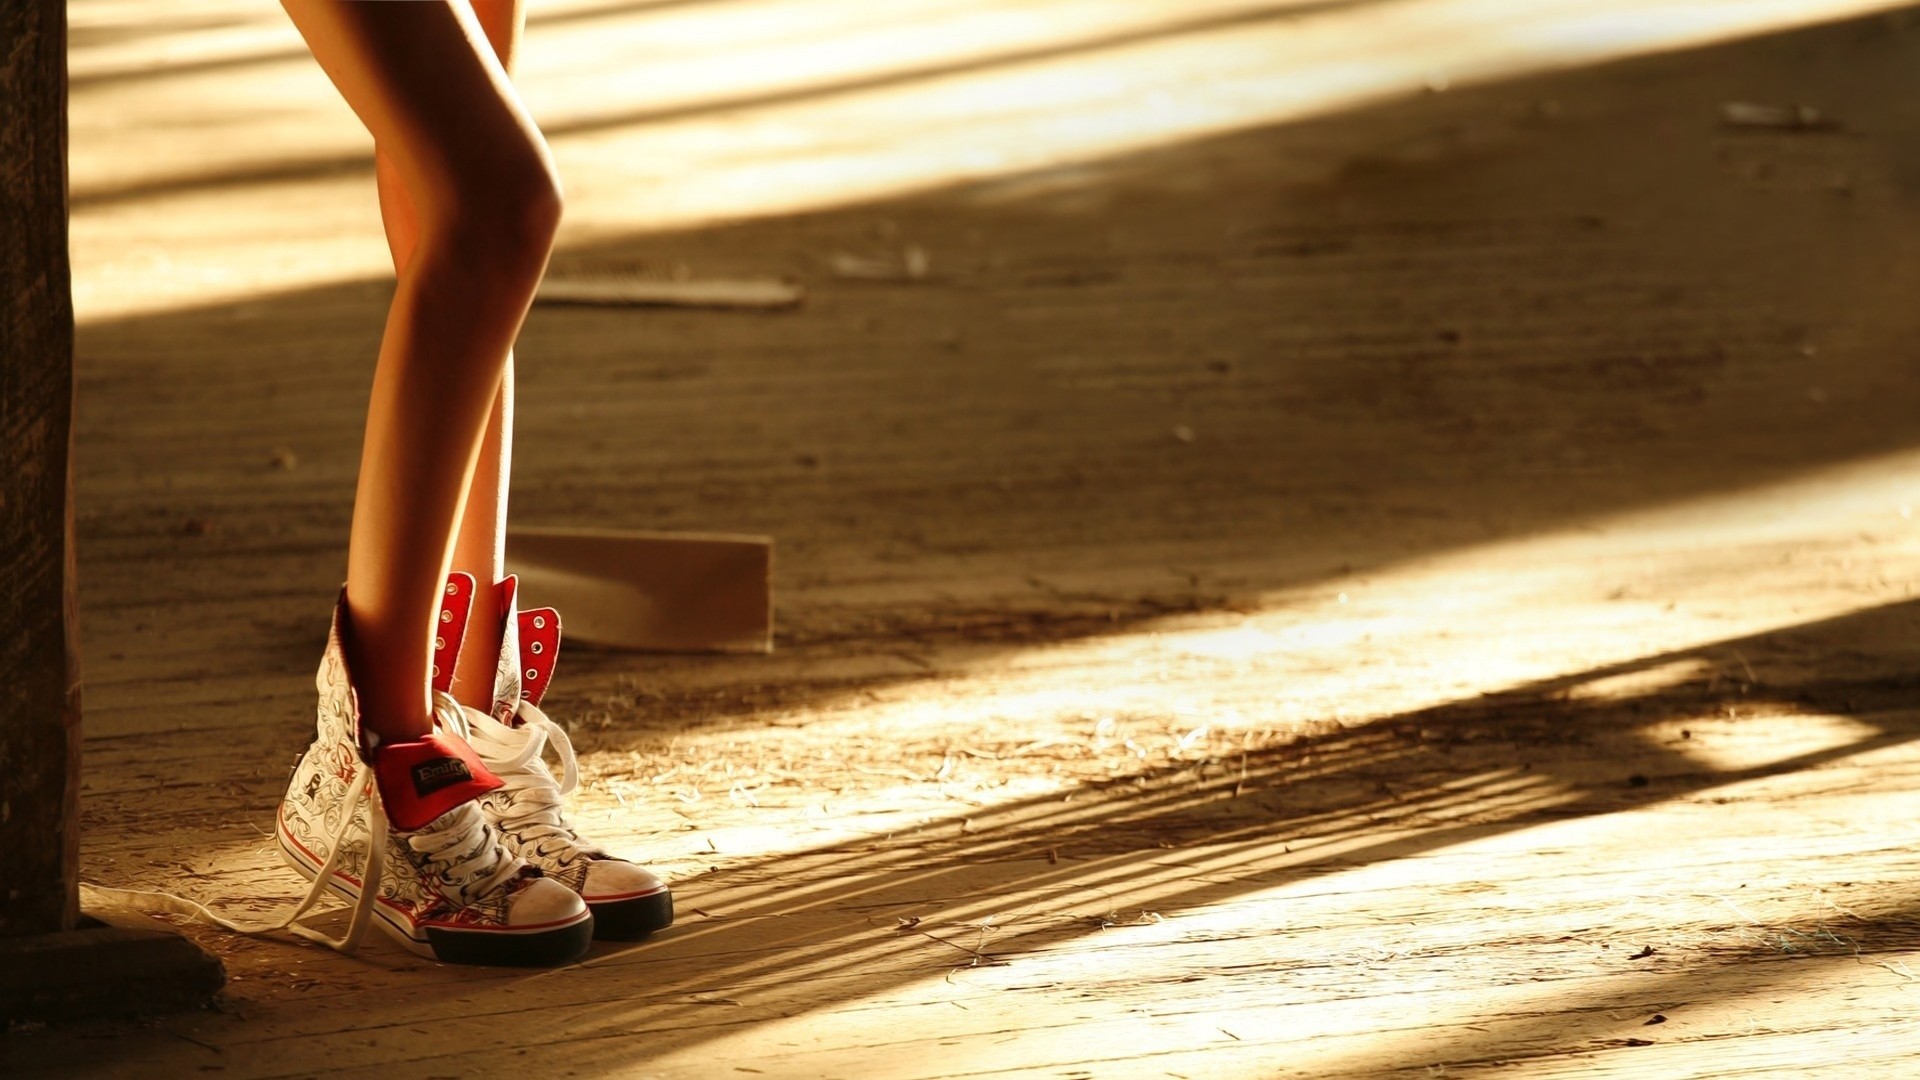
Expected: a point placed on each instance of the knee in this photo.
(528, 214)
(502, 221)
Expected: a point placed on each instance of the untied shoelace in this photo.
(361, 787)
(450, 848)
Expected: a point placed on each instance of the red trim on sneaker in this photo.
(420, 779)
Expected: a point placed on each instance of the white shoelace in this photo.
(361, 787)
(531, 790)
(461, 853)
(458, 852)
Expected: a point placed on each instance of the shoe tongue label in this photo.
(420, 779)
(432, 776)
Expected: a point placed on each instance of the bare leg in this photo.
(479, 182)
(480, 549)
(480, 545)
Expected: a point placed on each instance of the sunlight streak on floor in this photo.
(1771, 739)
(679, 116)
(1444, 628)
(933, 752)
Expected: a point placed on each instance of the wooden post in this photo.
(39, 657)
(53, 963)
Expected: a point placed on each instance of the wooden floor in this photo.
(1423, 587)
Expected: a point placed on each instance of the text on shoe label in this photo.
(431, 776)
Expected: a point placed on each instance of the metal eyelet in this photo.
(539, 622)
(439, 644)
(532, 675)
(537, 648)
(446, 616)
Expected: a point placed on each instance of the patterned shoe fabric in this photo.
(628, 901)
(447, 887)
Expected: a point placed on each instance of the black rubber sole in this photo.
(631, 920)
(548, 948)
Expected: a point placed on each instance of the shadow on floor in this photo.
(997, 885)
(1478, 323)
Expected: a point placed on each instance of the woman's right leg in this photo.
(485, 204)
(479, 546)
(419, 856)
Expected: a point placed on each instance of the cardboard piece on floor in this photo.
(649, 591)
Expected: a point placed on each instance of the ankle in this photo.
(388, 708)
(422, 778)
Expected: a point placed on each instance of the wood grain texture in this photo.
(1425, 591)
(39, 660)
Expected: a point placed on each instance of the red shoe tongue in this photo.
(423, 778)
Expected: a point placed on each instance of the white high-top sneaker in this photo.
(628, 901)
(417, 854)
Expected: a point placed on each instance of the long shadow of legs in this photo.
(1211, 832)
(1003, 884)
